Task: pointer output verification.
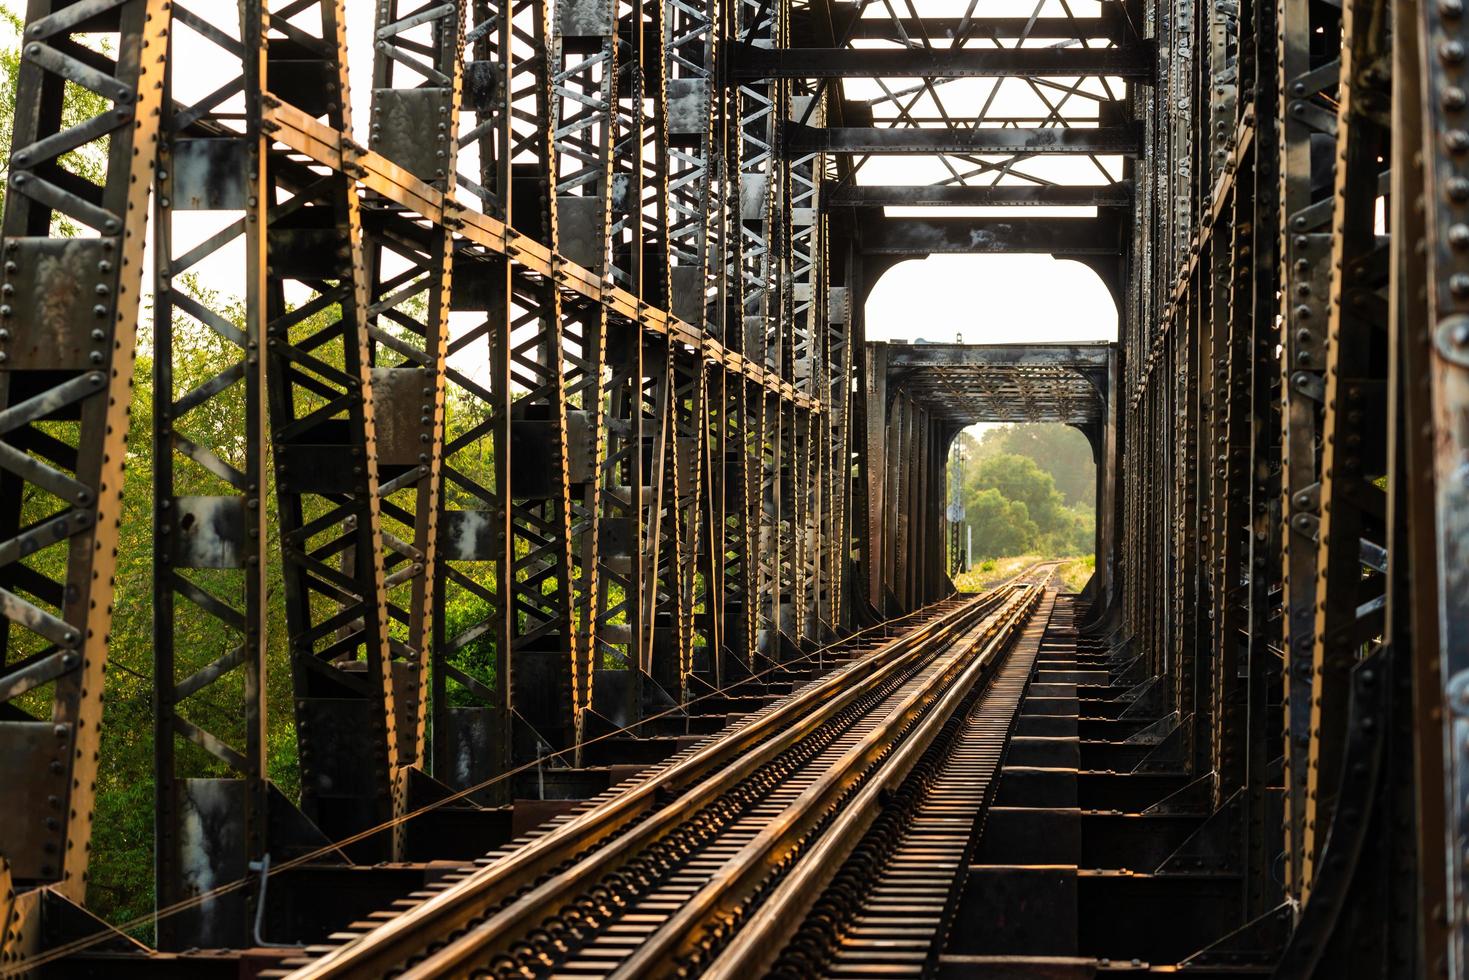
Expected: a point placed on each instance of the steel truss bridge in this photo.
(540, 401)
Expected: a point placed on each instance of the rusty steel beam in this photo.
(1135, 62)
(984, 195)
(1106, 140)
(991, 236)
(73, 247)
(1109, 26)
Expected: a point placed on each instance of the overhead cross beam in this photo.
(986, 29)
(1105, 140)
(967, 383)
(991, 236)
(1118, 194)
(1133, 61)
(1081, 357)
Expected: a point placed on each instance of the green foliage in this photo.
(78, 105)
(1060, 450)
(1076, 572)
(1012, 499)
(1001, 526)
(993, 571)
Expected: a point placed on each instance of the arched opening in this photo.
(1024, 423)
(1018, 492)
(991, 299)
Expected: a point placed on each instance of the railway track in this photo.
(833, 818)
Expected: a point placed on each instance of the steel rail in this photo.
(462, 904)
(499, 934)
(759, 943)
(713, 911)
(498, 937)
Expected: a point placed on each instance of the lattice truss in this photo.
(1032, 97)
(529, 402)
(1294, 577)
(964, 386)
(512, 398)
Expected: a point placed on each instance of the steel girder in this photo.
(1101, 195)
(487, 523)
(992, 140)
(1440, 33)
(992, 236)
(73, 245)
(630, 477)
(966, 62)
(1268, 486)
(965, 384)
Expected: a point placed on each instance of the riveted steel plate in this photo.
(473, 753)
(210, 850)
(208, 532)
(688, 106)
(479, 284)
(333, 733)
(753, 204)
(533, 455)
(56, 313)
(584, 18)
(303, 81)
(617, 537)
(209, 174)
(308, 244)
(686, 286)
(839, 305)
(538, 684)
(319, 468)
(404, 415)
(406, 124)
(579, 223)
(33, 774)
(481, 86)
(467, 535)
(612, 696)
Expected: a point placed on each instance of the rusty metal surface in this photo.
(552, 376)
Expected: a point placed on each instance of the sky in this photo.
(975, 299)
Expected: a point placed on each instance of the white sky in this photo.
(977, 299)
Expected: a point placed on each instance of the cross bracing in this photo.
(535, 404)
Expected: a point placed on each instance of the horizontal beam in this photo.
(988, 195)
(749, 62)
(978, 28)
(990, 236)
(1103, 141)
(1095, 356)
(329, 147)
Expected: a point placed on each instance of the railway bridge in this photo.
(497, 526)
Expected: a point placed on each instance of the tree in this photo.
(1014, 508)
(1001, 527)
(1060, 450)
(1019, 478)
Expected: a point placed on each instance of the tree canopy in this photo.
(1060, 450)
(1012, 495)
